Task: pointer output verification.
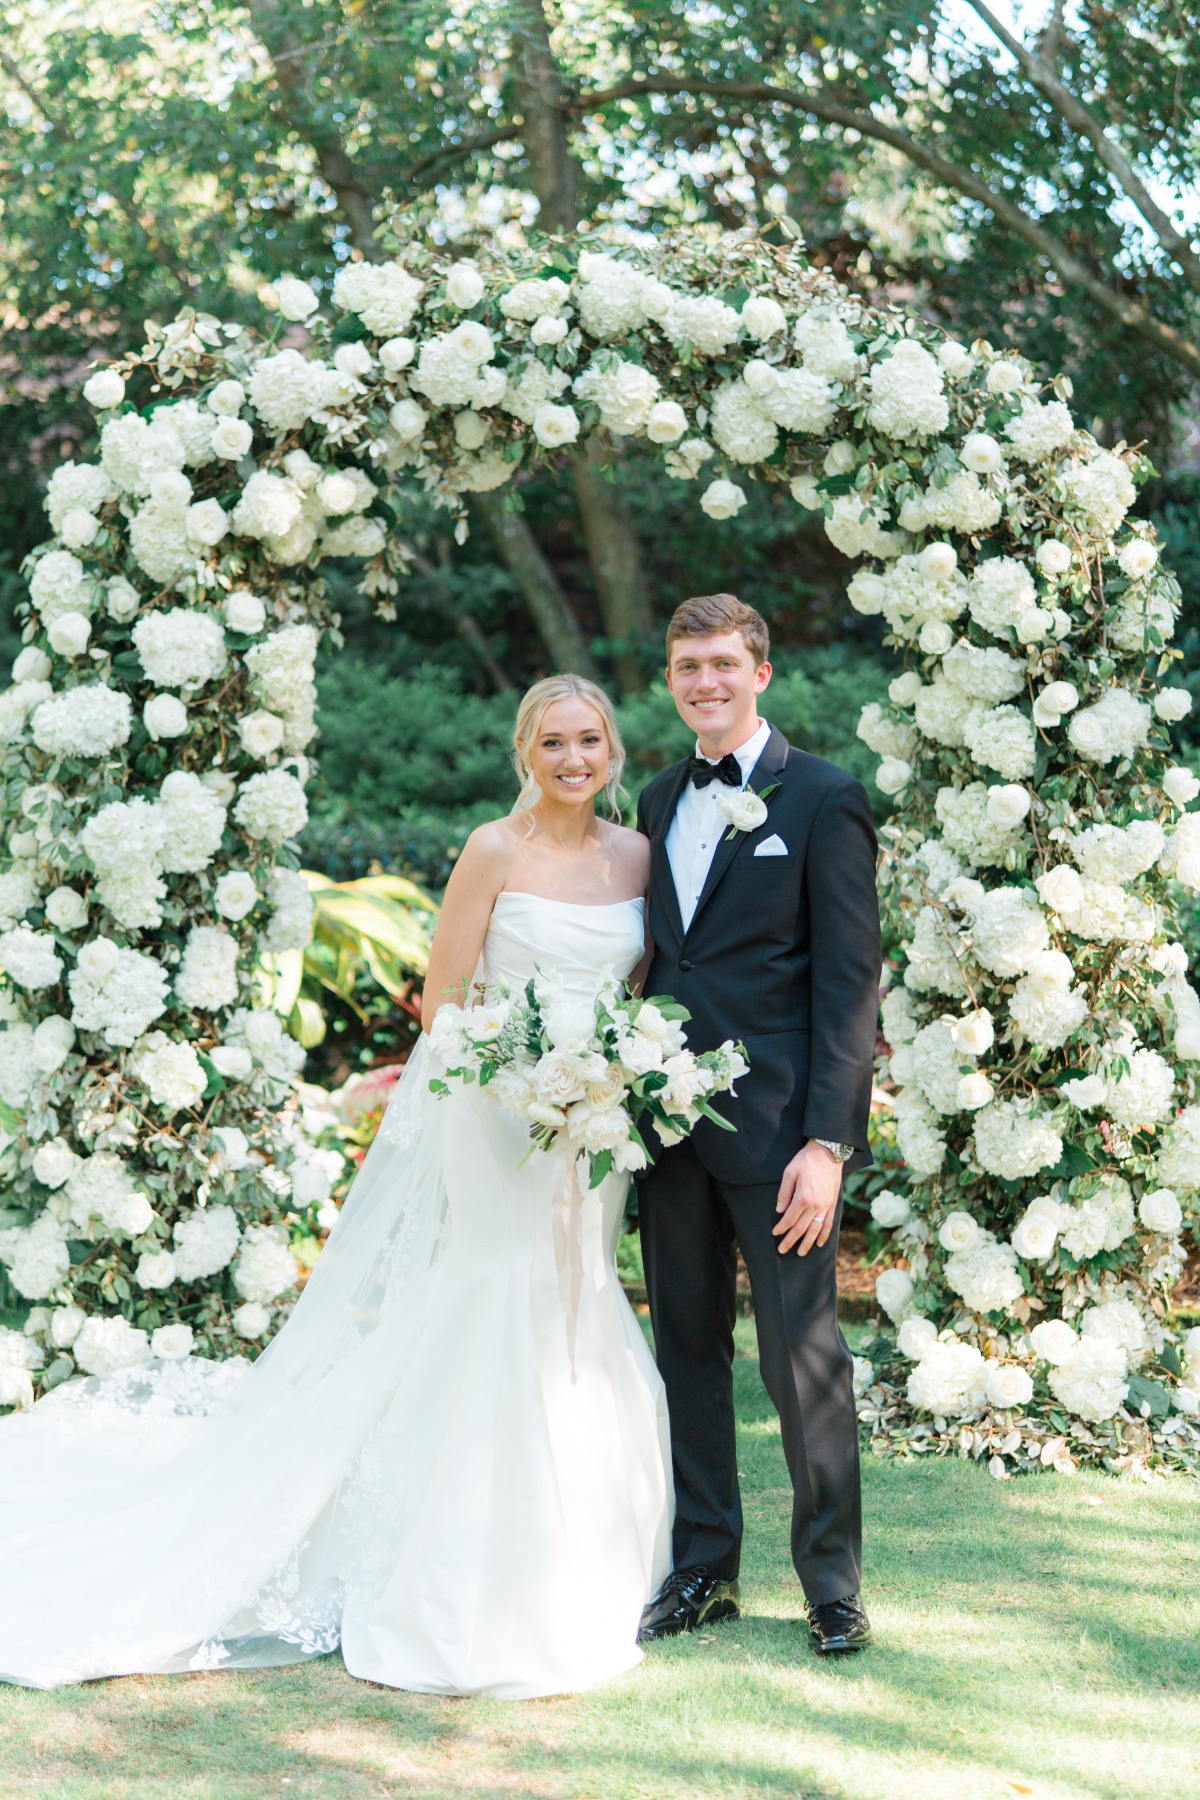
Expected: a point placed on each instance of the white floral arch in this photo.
(1043, 1035)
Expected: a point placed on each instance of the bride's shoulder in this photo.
(630, 848)
(489, 849)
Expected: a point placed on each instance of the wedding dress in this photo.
(453, 1460)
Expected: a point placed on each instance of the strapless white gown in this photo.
(433, 1464)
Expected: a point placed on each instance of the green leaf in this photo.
(601, 1164)
(1144, 1392)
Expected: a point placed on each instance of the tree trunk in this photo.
(616, 564)
(519, 552)
(539, 96)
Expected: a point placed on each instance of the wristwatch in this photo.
(840, 1152)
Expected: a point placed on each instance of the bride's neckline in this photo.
(578, 905)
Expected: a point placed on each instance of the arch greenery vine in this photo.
(1043, 1037)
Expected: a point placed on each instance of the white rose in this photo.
(915, 1337)
(260, 733)
(172, 1342)
(1035, 1235)
(54, 1162)
(251, 1319)
(165, 716)
(893, 775)
(1033, 625)
(1061, 888)
(69, 634)
(207, 522)
(234, 895)
(805, 492)
(744, 809)
(894, 1292)
(66, 909)
(1138, 558)
(245, 612)
(471, 430)
(408, 420)
(1186, 1400)
(231, 438)
(233, 1146)
(1052, 557)
(763, 317)
(959, 1231)
(353, 359)
(1005, 378)
(938, 561)
(464, 285)
(122, 599)
(1060, 696)
(220, 783)
(935, 637)
(975, 1032)
(905, 688)
(53, 1041)
(337, 493)
(1161, 1211)
(840, 458)
(66, 1322)
(226, 399)
(397, 353)
(889, 1209)
(902, 1064)
(1007, 805)
(1180, 786)
(1172, 704)
(759, 377)
(133, 1215)
(666, 422)
(973, 1091)
(555, 425)
(1007, 1385)
(296, 298)
(721, 499)
(1085, 1092)
(548, 330)
(1053, 1340)
(233, 1061)
(79, 528)
(104, 390)
(32, 664)
(981, 454)
(156, 1269)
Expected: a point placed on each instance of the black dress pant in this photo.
(692, 1225)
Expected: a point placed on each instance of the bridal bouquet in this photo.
(586, 1084)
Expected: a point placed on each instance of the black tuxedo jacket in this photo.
(784, 953)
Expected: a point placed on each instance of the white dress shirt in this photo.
(697, 827)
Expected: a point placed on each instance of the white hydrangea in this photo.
(900, 1023)
(932, 962)
(702, 321)
(1044, 1007)
(1118, 1321)
(527, 301)
(985, 1276)
(1039, 430)
(104, 1346)
(16, 1066)
(364, 537)
(265, 1267)
(19, 888)
(271, 806)
(17, 703)
(117, 992)
(205, 1241)
(609, 297)
(1111, 853)
(207, 977)
(90, 720)
(30, 958)
(133, 450)
(101, 1191)
(937, 1065)
(1099, 492)
(279, 1057)
(988, 676)
(72, 485)
(939, 864)
(907, 401)
(192, 424)
(531, 385)
(800, 400)
(180, 648)
(384, 295)
(623, 392)
(192, 820)
(1010, 930)
(1000, 591)
(170, 1071)
(942, 710)
(35, 1256)
(1002, 738)
(158, 537)
(857, 528)
(1013, 1142)
(282, 666)
(1178, 1161)
(825, 345)
(123, 834)
(740, 426)
(290, 926)
(1091, 1383)
(886, 737)
(969, 828)
(1181, 854)
(920, 1142)
(1102, 1221)
(964, 504)
(1116, 726)
(1133, 620)
(270, 507)
(949, 1380)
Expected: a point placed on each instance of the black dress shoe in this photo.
(686, 1599)
(839, 1626)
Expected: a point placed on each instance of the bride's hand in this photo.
(808, 1199)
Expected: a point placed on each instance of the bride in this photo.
(452, 1461)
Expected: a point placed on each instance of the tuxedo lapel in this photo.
(767, 771)
(661, 873)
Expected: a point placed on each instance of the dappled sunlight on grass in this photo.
(1036, 1636)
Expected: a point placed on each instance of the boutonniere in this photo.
(745, 809)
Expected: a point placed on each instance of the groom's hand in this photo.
(808, 1199)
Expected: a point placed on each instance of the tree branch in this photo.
(522, 557)
(1070, 268)
(337, 167)
(1118, 164)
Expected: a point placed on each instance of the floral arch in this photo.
(1043, 1036)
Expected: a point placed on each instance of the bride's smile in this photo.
(570, 759)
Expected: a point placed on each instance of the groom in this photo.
(769, 934)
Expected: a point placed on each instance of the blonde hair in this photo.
(532, 711)
(709, 614)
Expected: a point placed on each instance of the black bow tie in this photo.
(728, 770)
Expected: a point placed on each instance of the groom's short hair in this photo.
(708, 615)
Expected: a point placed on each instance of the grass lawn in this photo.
(1034, 1637)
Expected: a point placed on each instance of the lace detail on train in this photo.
(408, 1469)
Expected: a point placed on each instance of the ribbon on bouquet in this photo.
(566, 1218)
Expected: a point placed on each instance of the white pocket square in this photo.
(772, 846)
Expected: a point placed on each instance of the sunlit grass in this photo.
(1037, 1636)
